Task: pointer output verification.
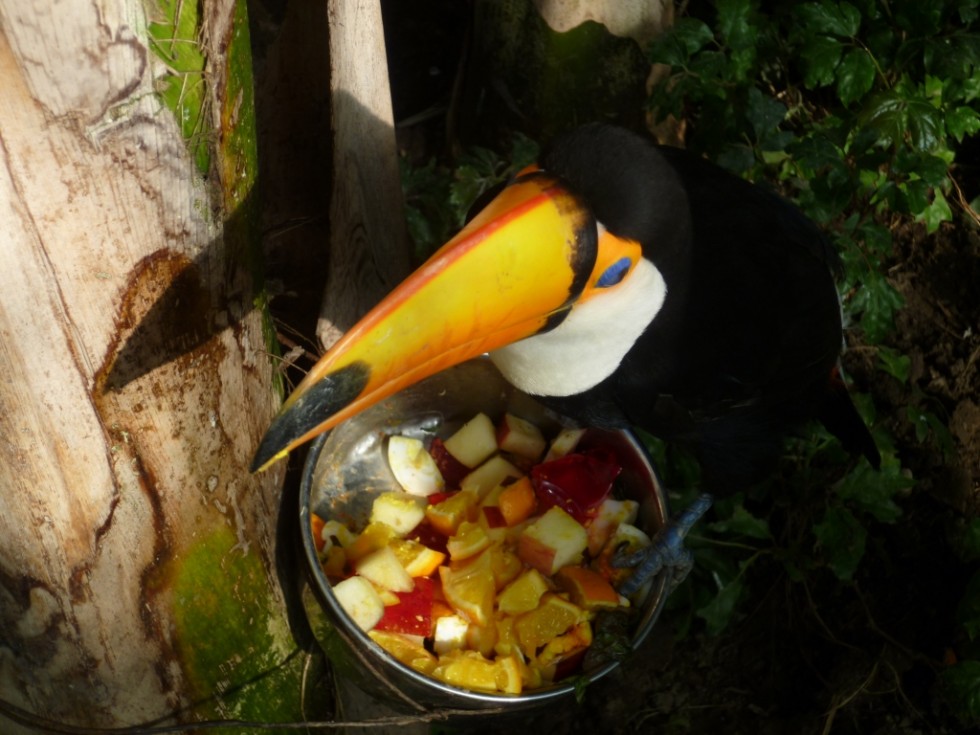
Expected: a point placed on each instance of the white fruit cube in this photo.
(383, 569)
(413, 466)
(488, 476)
(360, 601)
(450, 634)
(564, 443)
(474, 441)
(400, 511)
(520, 437)
(552, 541)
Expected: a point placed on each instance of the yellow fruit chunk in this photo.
(410, 652)
(577, 639)
(523, 594)
(509, 679)
(554, 616)
(382, 568)
(467, 669)
(488, 476)
(506, 643)
(587, 588)
(517, 501)
(374, 536)
(334, 561)
(482, 638)
(474, 441)
(360, 601)
(505, 565)
(446, 516)
(469, 540)
(470, 588)
(417, 558)
(552, 541)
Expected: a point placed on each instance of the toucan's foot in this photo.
(667, 551)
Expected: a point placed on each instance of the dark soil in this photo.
(810, 656)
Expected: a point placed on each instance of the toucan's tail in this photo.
(841, 418)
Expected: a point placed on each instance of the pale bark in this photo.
(369, 251)
(104, 490)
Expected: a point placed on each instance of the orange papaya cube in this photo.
(469, 540)
(523, 594)
(587, 588)
(553, 617)
(316, 528)
(374, 536)
(470, 588)
(517, 501)
(445, 516)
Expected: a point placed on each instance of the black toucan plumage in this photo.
(624, 284)
(746, 345)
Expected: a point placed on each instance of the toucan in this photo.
(624, 284)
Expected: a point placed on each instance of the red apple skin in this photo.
(537, 554)
(453, 471)
(493, 517)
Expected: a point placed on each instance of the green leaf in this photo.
(743, 523)
(735, 24)
(968, 541)
(874, 490)
(894, 363)
(876, 302)
(842, 539)
(926, 124)
(936, 213)
(718, 613)
(963, 690)
(838, 19)
(855, 75)
(764, 113)
(968, 611)
(821, 55)
(962, 122)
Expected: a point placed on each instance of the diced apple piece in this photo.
(405, 649)
(554, 616)
(446, 516)
(627, 539)
(517, 501)
(488, 476)
(450, 634)
(334, 532)
(469, 540)
(552, 541)
(411, 613)
(520, 437)
(360, 601)
(413, 466)
(382, 568)
(563, 443)
(608, 516)
(417, 558)
(401, 511)
(523, 594)
(588, 589)
(470, 588)
(451, 469)
(474, 441)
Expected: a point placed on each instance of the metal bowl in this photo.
(346, 469)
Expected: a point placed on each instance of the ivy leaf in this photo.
(743, 523)
(877, 301)
(855, 75)
(962, 122)
(894, 363)
(719, 612)
(874, 490)
(735, 24)
(842, 538)
(685, 38)
(963, 683)
(936, 213)
(821, 55)
(925, 124)
(838, 19)
(764, 114)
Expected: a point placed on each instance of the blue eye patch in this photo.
(614, 273)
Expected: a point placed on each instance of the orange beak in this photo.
(514, 271)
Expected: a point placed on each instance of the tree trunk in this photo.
(137, 569)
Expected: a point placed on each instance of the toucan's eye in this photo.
(614, 273)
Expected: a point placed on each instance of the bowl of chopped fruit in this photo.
(459, 538)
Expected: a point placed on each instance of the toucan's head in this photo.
(550, 279)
